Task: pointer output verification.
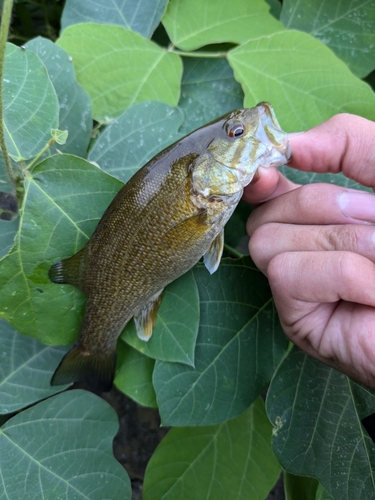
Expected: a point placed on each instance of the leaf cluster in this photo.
(80, 115)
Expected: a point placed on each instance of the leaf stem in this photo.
(4, 29)
(232, 250)
(197, 53)
(48, 145)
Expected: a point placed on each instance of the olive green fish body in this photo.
(169, 214)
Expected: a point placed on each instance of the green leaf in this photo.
(299, 487)
(135, 137)
(176, 326)
(62, 448)
(275, 8)
(317, 415)
(134, 375)
(141, 16)
(239, 345)
(348, 28)
(310, 177)
(30, 103)
(8, 231)
(230, 460)
(64, 199)
(26, 369)
(306, 89)
(75, 105)
(137, 70)
(193, 24)
(322, 494)
(60, 136)
(208, 90)
(235, 236)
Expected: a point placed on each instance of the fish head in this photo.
(244, 140)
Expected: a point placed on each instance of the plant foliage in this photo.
(149, 72)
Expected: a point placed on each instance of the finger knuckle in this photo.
(276, 269)
(260, 241)
(261, 237)
(340, 238)
(348, 267)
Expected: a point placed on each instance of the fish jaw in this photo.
(275, 140)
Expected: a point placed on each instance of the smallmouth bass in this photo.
(168, 215)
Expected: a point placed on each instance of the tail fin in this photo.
(79, 365)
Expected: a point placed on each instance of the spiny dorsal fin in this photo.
(213, 255)
(71, 271)
(144, 318)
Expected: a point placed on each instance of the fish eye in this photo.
(237, 130)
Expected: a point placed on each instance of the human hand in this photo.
(316, 244)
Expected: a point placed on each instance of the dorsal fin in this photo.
(71, 271)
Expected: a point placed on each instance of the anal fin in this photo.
(144, 318)
(213, 255)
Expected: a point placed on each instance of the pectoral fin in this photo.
(213, 255)
(144, 319)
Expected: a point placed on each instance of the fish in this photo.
(169, 215)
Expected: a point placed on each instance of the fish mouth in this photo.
(271, 135)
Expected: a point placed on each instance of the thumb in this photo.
(266, 184)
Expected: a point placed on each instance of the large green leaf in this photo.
(141, 16)
(299, 487)
(134, 375)
(62, 448)
(322, 494)
(8, 231)
(193, 24)
(75, 104)
(133, 138)
(118, 68)
(311, 177)
(275, 7)
(239, 345)
(317, 415)
(26, 369)
(64, 199)
(176, 326)
(304, 81)
(226, 461)
(30, 105)
(348, 28)
(235, 237)
(208, 90)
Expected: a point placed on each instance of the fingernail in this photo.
(359, 206)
